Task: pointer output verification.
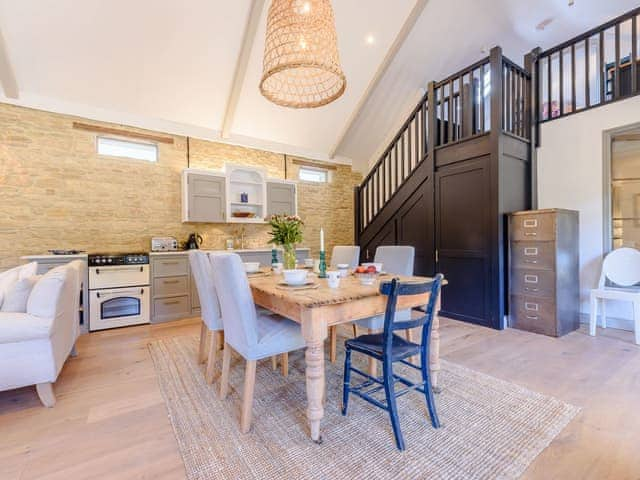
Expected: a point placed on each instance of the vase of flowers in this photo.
(286, 231)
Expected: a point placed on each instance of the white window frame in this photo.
(324, 171)
(124, 142)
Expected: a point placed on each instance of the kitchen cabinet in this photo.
(204, 196)
(171, 282)
(281, 198)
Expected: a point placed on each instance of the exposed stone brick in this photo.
(57, 192)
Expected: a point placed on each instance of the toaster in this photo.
(164, 244)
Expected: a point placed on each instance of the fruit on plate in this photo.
(371, 269)
(362, 269)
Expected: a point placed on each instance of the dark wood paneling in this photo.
(415, 227)
(462, 209)
(385, 236)
(463, 150)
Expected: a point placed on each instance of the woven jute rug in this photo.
(490, 428)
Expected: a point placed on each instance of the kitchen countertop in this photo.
(49, 256)
(235, 250)
(83, 256)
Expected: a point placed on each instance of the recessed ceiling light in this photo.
(370, 39)
(544, 23)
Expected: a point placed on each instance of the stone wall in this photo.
(56, 192)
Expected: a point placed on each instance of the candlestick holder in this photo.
(323, 266)
(274, 256)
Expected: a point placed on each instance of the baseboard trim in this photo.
(612, 322)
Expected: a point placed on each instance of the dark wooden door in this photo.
(463, 222)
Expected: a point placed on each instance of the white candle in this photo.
(321, 240)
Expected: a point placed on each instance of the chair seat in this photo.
(22, 327)
(377, 322)
(276, 334)
(373, 345)
(617, 293)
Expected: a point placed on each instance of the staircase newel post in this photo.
(430, 139)
(531, 65)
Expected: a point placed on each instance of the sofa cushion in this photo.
(11, 276)
(21, 327)
(16, 296)
(46, 292)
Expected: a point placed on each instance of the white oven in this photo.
(119, 307)
(119, 292)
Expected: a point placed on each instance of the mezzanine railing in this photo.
(593, 69)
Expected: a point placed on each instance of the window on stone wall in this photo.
(115, 147)
(312, 174)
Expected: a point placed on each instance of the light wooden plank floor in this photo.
(110, 421)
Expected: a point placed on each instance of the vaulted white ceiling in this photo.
(169, 66)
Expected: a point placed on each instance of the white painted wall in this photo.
(570, 175)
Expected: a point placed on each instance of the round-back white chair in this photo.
(621, 268)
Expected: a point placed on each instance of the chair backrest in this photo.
(345, 254)
(395, 289)
(203, 275)
(621, 267)
(236, 302)
(396, 259)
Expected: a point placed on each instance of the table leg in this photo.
(314, 331)
(434, 359)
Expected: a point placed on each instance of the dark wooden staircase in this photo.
(459, 163)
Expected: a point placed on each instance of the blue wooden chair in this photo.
(390, 348)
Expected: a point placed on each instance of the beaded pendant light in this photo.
(301, 65)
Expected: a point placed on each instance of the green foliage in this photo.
(285, 229)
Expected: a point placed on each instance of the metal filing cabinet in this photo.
(544, 281)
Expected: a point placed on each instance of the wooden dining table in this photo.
(317, 309)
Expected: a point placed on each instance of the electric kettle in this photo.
(194, 241)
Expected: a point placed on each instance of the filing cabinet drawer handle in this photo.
(531, 278)
(532, 317)
(529, 289)
(531, 306)
(170, 263)
(170, 281)
(171, 303)
(530, 223)
(530, 234)
(530, 261)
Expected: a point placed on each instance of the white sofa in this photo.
(34, 344)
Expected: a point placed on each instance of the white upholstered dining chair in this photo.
(252, 334)
(345, 254)
(210, 311)
(621, 268)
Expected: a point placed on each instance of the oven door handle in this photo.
(119, 293)
(121, 269)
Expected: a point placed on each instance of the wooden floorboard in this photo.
(110, 421)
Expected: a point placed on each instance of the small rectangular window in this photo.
(310, 174)
(114, 147)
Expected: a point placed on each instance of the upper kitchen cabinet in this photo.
(203, 196)
(281, 197)
(247, 194)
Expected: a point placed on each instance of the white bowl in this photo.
(251, 267)
(378, 265)
(366, 279)
(295, 277)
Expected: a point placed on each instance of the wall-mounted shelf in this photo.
(212, 196)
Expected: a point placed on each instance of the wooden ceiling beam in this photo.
(7, 77)
(411, 20)
(253, 20)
